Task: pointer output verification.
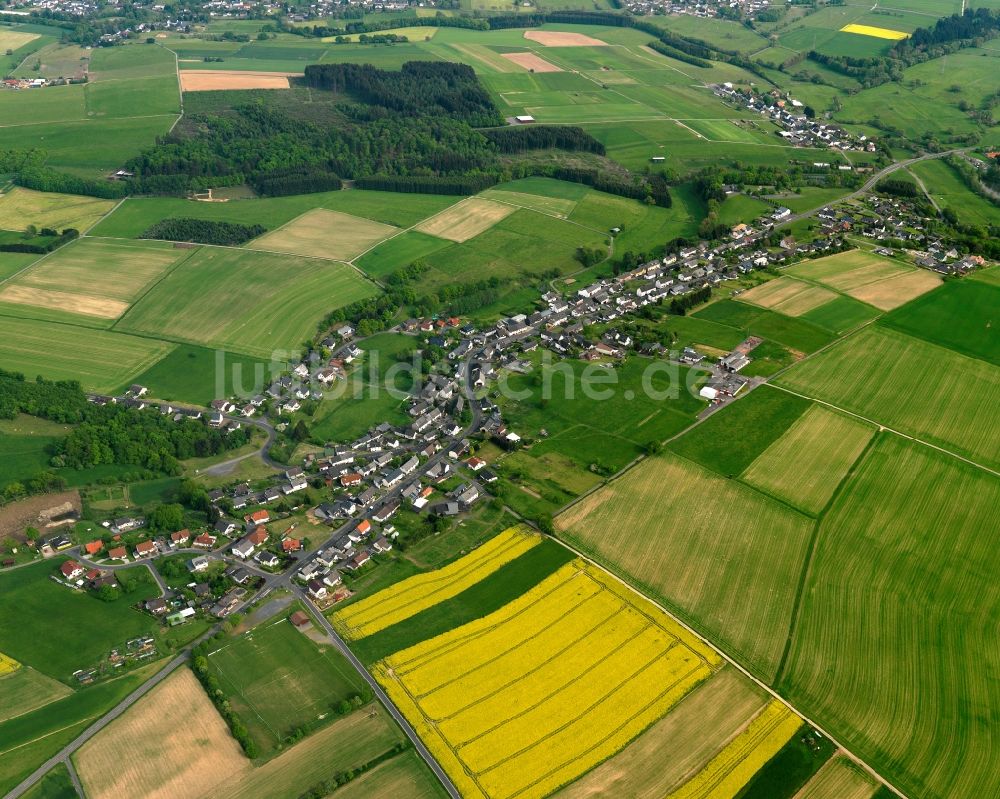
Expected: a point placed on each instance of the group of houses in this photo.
(705, 9)
(796, 128)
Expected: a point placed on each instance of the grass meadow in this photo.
(961, 315)
(883, 375)
(729, 567)
(89, 627)
(248, 302)
(890, 633)
(101, 360)
(278, 680)
(21, 207)
(796, 334)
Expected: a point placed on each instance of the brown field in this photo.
(34, 512)
(895, 291)
(325, 234)
(693, 733)
(345, 744)
(563, 39)
(849, 270)
(788, 296)
(101, 307)
(11, 40)
(210, 80)
(172, 744)
(466, 219)
(838, 779)
(531, 62)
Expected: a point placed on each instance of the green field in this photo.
(797, 334)
(728, 566)
(947, 187)
(248, 302)
(23, 443)
(199, 375)
(99, 359)
(731, 439)
(54, 785)
(26, 690)
(88, 629)
(961, 315)
(807, 464)
(278, 680)
(891, 630)
(136, 215)
(885, 376)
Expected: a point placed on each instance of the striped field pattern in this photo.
(526, 699)
(409, 597)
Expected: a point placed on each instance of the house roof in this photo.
(93, 547)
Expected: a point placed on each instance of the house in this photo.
(198, 564)
(225, 527)
(93, 547)
(126, 524)
(257, 517)
(118, 553)
(475, 464)
(204, 541)
(316, 589)
(157, 606)
(238, 574)
(781, 213)
(258, 536)
(300, 620)
(349, 480)
(332, 579)
(243, 549)
(145, 549)
(180, 537)
(72, 570)
(267, 559)
(384, 513)
(382, 545)
(364, 528)
(358, 561)
(291, 545)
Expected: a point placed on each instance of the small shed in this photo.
(300, 619)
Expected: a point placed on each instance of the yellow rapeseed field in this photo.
(744, 756)
(409, 597)
(525, 700)
(8, 665)
(878, 33)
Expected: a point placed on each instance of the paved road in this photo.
(870, 183)
(63, 755)
(382, 697)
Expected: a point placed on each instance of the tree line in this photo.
(33, 245)
(203, 231)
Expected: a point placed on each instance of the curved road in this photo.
(870, 183)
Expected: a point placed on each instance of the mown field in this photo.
(889, 635)
(98, 278)
(527, 698)
(694, 732)
(278, 680)
(919, 388)
(729, 567)
(321, 233)
(179, 746)
(249, 302)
